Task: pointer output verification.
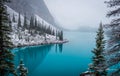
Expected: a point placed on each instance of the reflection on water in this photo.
(33, 56)
(68, 59)
(58, 48)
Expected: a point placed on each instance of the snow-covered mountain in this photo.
(22, 37)
(32, 7)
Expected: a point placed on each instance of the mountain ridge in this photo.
(32, 7)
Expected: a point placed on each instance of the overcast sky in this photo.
(74, 14)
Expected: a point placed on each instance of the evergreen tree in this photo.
(31, 23)
(25, 25)
(61, 35)
(35, 26)
(53, 32)
(99, 64)
(22, 70)
(114, 33)
(36, 23)
(6, 57)
(13, 19)
(56, 34)
(10, 24)
(19, 21)
(31, 27)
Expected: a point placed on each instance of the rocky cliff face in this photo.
(31, 7)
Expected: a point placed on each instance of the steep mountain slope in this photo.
(22, 37)
(31, 7)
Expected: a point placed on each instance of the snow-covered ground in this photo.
(22, 38)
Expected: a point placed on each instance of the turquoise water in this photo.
(69, 59)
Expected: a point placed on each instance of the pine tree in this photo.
(31, 23)
(61, 35)
(53, 32)
(19, 21)
(6, 57)
(25, 25)
(35, 26)
(13, 19)
(10, 24)
(114, 33)
(36, 23)
(56, 34)
(31, 27)
(99, 64)
(22, 70)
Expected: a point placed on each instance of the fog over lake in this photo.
(75, 14)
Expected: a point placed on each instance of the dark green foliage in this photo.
(6, 57)
(22, 70)
(116, 73)
(40, 28)
(61, 35)
(31, 23)
(10, 24)
(99, 64)
(25, 25)
(56, 34)
(19, 21)
(114, 33)
(36, 24)
(53, 32)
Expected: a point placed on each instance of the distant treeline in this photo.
(34, 26)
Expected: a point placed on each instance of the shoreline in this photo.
(43, 43)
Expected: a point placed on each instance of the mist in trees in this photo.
(34, 26)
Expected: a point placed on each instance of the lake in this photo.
(69, 59)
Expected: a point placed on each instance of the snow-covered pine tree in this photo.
(36, 22)
(98, 65)
(23, 71)
(13, 19)
(31, 22)
(114, 33)
(19, 21)
(19, 26)
(6, 57)
(35, 25)
(25, 25)
(43, 27)
(10, 23)
(61, 35)
(31, 27)
(56, 34)
(53, 32)
(39, 27)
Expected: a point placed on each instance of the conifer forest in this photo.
(59, 38)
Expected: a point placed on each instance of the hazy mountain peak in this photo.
(31, 7)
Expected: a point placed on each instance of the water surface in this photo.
(68, 59)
